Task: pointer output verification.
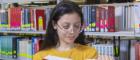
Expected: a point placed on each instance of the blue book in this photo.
(93, 18)
(4, 20)
(26, 22)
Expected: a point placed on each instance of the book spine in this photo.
(111, 18)
(98, 19)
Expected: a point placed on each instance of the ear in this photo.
(54, 25)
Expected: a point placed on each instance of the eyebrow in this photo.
(69, 22)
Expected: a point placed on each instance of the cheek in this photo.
(61, 34)
(76, 35)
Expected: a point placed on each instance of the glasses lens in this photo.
(76, 28)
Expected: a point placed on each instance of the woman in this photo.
(65, 35)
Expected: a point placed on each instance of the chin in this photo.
(69, 41)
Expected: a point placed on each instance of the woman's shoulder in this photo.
(45, 51)
(89, 51)
(41, 54)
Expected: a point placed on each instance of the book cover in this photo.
(32, 19)
(15, 18)
(106, 19)
(4, 20)
(137, 51)
(93, 19)
(98, 9)
(137, 18)
(111, 18)
(119, 18)
(102, 19)
(26, 19)
(40, 19)
(26, 52)
(84, 10)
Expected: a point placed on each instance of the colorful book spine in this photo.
(93, 19)
(26, 19)
(84, 8)
(106, 19)
(102, 19)
(137, 18)
(15, 18)
(89, 18)
(111, 19)
(40, 19)
(4, 20)
(137, 51)
(32, 19)
(98, 9)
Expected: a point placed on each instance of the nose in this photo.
(71, 30)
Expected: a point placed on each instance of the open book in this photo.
(100, 57)
(50, 57)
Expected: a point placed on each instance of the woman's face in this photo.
(68, 27)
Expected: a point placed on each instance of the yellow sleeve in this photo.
(37, 57)
(92, 53)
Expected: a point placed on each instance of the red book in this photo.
(106, 19)
(40, 20)
(102, 20)
(137, 51)
(98, 9)
(15, 18)
(111, 19)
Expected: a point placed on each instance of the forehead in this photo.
(70, 18)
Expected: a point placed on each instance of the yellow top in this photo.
(80, 52)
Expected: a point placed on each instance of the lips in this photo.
(71, 38)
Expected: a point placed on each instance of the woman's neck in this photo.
(64, 46)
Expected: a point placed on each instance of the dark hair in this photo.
(15, 4)
(64, 7)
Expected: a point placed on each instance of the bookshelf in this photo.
(24, 32)
(7, 59)
(125, 25)
(22, 1)
(123, 32)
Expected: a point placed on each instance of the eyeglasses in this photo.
(75, 28)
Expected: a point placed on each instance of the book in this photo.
(102, 19)
(40, 19)
(50, 57)
(26, 19)
(111, 19)
(136, 18)
(93, 19)
(4, 20)
(98, 9)
(15, 18)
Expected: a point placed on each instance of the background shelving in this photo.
(116, 34)
(24, 32)
(124, 33)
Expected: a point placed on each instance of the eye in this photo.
(66, 26)
(77, 25)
